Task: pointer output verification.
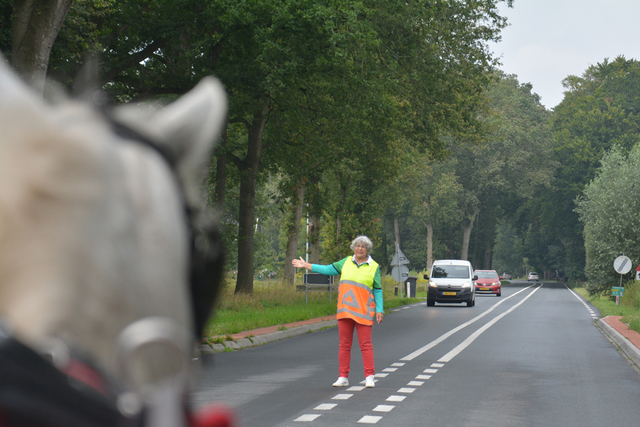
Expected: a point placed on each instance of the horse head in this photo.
(107, 254)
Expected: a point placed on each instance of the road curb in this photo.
(241, 343)
(629, 350)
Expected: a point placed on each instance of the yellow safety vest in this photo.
(355, 295)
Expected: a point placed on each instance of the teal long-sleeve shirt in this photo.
(336, 268)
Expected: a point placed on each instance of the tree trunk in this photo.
(488, 255)
(292, 239)
(35, 26)
(221, 170)
(314, 239)
(248, 171)
(466, 236)
(343, 198)
(429, 246)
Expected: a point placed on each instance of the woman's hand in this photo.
(300, 263)
(379, 317)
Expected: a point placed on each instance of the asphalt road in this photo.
(532, 357)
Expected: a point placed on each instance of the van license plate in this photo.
(448, 293)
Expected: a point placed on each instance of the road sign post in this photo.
(622, 265)
(400, 272)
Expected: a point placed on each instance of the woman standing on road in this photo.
(359, 302)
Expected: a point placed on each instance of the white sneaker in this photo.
(369, 382)
(342, 382)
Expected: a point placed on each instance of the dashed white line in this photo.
(369, 419)
(356, 388)
(406, 390)
(591, 312)
(389, 369)
(381, 375)
(342, 396)
(437, 365)
(423, 377)
(415, 383)
(384, 408)
(398, 364)
(325, 407)
(430, 371)
(395, 398)
(306, 418)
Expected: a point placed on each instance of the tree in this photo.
(391, 68)
(609, 211)
(512, 162)
(600, 109)
(35, 26)
(438, 194)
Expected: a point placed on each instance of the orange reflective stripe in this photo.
(356, 301)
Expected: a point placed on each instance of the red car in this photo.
(488, 282)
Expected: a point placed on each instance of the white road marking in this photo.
(395, 398)
(423, 377)
(342, 396)
(437, 341)
(381, 375)
(389, 369)
(398, 364)
(307, 418)
(437, 365)
(325, 407)
(453, 353)
(430, 371)
(415, 383)
(575, 294)
(369, 419)
(356, 388)
(383, 408)
(406, 390)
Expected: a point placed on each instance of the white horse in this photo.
(105, 266)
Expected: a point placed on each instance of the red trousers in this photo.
(345, 330)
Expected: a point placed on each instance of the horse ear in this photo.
(189, 127)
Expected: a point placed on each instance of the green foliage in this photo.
(629, 307)
(6, 18)
(599, 111)
(348, 84)
(609, 211)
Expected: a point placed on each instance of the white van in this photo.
(451, 281)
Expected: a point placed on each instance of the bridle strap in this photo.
(33, 392)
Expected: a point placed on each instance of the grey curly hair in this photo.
(364, 240)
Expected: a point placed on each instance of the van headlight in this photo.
(433, 284)
(466, 285)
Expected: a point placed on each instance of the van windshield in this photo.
(450, 272)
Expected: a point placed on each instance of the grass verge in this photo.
(629, 307)
(273, 304)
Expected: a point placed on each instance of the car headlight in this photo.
(495, 283)
(433, 284)
(466, 285)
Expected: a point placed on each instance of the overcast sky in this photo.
(547, 40)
